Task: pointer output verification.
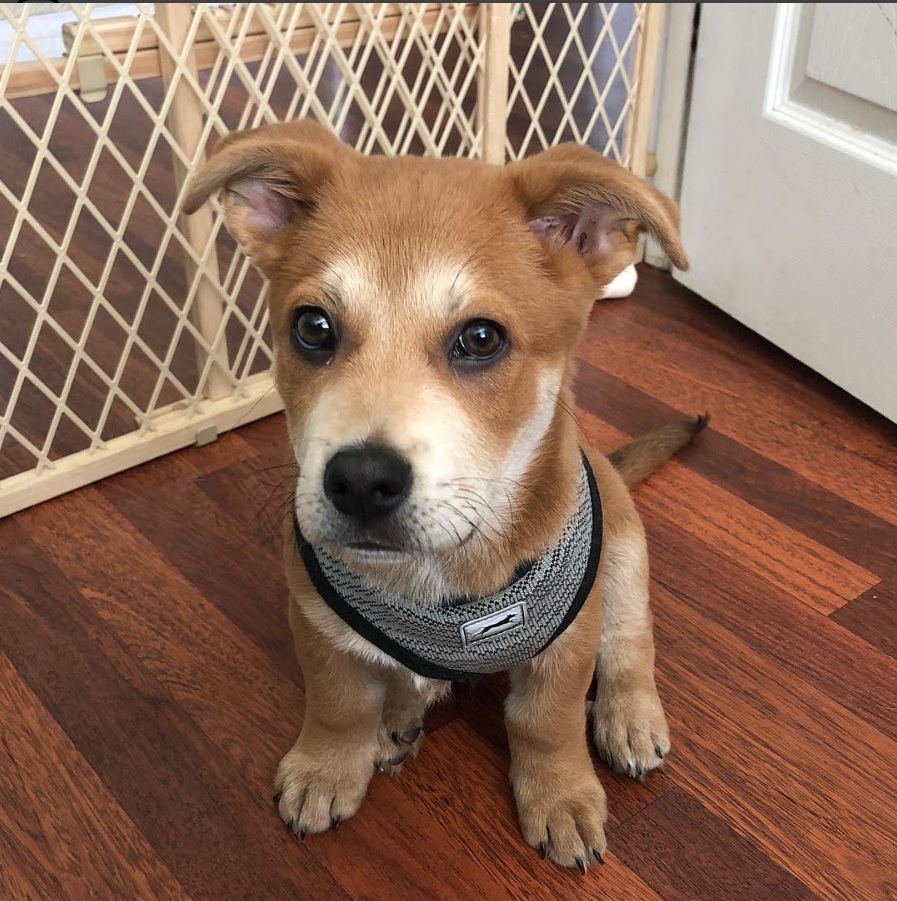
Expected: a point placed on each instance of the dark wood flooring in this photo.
(148, 685)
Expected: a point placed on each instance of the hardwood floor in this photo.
(148, 685)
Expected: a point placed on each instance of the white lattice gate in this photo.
(126, 331)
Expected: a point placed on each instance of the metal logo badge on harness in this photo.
(499, 623)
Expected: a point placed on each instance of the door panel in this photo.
(789, 195)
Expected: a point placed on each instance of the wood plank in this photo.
(830, 520)
(811, 647)
(225, 682)
(816, 437)
(866, 687)
(394, 848)
(676, 307)
(780, 555)
(785, 557)
(255, 497)
(660, 844)
(49, 846)
(166, 774)
(873, 617)
(212, 551)
(776, 759)
(477, 803)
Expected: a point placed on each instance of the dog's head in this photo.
(424, 316)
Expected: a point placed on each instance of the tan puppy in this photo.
(424, 315)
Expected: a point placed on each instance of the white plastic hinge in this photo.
(92, 78)
(206, 435)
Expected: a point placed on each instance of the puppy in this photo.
(424, 316)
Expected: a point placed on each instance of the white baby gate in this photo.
(128, 331)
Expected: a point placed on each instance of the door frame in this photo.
(671, 110)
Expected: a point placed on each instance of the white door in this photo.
(789, 189)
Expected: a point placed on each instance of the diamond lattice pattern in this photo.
(572, 76)
(112, 314)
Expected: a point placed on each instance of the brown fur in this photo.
(399, 251)
(638, 459)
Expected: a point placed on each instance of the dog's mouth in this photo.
(373, 547)
(387, 541)
(373, 553)
(390, 543)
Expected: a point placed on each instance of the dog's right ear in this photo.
(270, 178)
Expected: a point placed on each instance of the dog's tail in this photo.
(638, 459)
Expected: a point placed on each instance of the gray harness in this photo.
(465, 638)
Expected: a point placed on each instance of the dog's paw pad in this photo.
(631, 733)
(314, 796)
(569, 829)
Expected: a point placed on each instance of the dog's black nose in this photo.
(368, 481)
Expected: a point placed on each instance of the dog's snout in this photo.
(367, 482)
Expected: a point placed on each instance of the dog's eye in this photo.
(313, 332)
(479, 340)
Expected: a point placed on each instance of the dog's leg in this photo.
(402, 725)
(630, 728)
(560, 801)
(324, 777)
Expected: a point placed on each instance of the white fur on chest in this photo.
(345, 639)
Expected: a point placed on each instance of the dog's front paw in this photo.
(630, 731)
(564, 823)
(397, 743)
(317, 791)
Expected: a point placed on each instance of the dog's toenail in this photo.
(395, 737)
(543, 850)
(659, 751)
(378, 766)
(582, 865)
(412, 735)
(334, 821)
(302, 833)
(276, 798)
(598, 856)
(401, 758)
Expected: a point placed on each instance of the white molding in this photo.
(780, 108)
(672, 111)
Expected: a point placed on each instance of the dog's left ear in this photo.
(579, 200)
